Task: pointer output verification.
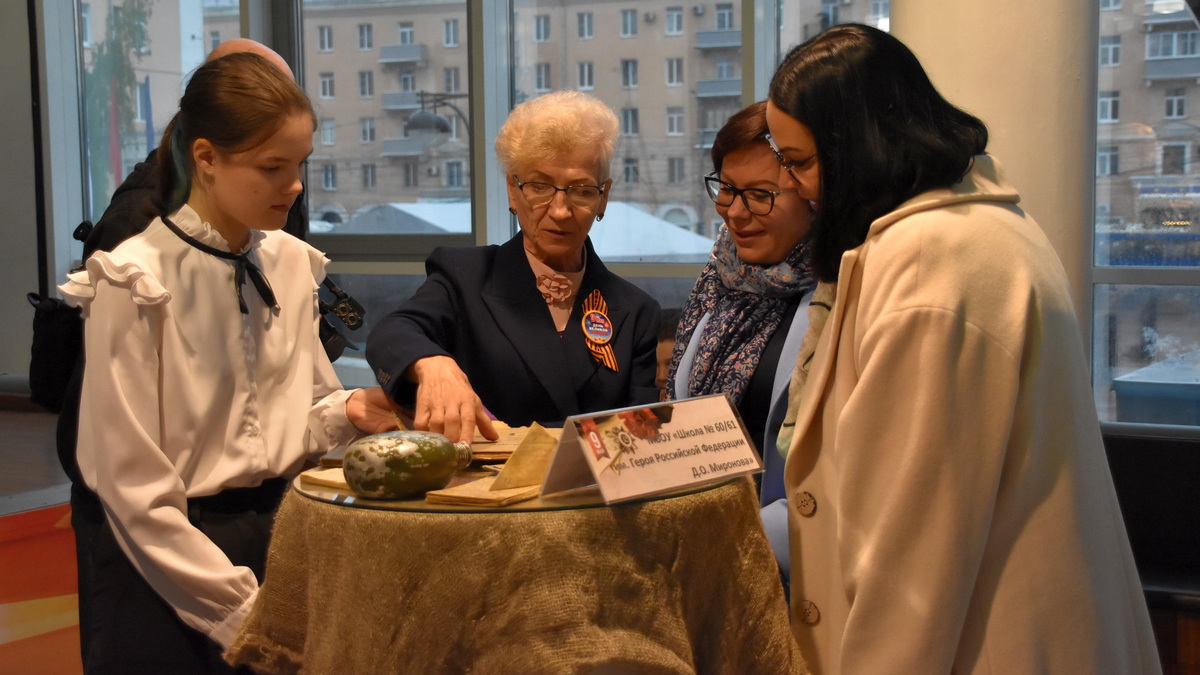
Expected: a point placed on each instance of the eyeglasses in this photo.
(757, 200)
(540, 194)
(783, 161)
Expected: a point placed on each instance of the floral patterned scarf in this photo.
(747, 303)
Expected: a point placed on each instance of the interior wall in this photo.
(18, 233)
(1028, 69)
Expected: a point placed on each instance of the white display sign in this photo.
(645, 450)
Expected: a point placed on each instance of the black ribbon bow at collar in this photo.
(242, 265)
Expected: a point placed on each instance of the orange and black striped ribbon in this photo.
(601, 350)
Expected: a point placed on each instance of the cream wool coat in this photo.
(950, 504)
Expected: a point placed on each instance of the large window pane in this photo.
(411, 81)
(1146, 342)
(135, 54)
(1148, 353)
(799, 20)
(672, 74)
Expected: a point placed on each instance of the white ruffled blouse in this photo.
(184, 396)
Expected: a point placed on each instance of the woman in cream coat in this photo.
(951, 508)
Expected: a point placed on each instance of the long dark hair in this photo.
(235, 102)
(883, 132)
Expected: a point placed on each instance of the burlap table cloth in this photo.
(680, 585)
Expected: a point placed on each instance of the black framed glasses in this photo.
(540, 194)
(757, 200)
(783, 161)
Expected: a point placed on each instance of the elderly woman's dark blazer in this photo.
(480, 305)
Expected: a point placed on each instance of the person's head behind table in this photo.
(766, 221)
(235, 103)
(862, 129)
(555, 151)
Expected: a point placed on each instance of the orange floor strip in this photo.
(39, 619)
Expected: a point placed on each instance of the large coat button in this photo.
(806, 504)
(809, 613)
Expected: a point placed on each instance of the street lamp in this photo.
(430, 128)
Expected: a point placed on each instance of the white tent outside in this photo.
(627, 234)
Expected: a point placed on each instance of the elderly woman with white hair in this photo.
(536, 329)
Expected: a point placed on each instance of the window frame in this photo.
(673, 21)
(674, 71)
(587, 68)
(629, 23)
(629, 73)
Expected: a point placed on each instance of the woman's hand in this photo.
(371, 410)
(446, 403)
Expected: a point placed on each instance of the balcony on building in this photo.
(401, 101)
(1183, 16)
(1182, 68)
(725, 87)
(413, 54)
(403, 147)
(718, 39)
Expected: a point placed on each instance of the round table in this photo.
(680, 583)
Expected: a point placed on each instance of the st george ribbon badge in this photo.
(598, 330)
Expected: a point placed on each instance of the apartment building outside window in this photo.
(629, 121)
(366, 84)
(675, 72)
(1110, 107)
(407, 81)
(629, 172)
(724, 16)
(324, 38)
(1174, 99)
(366, 37)
(452, 80)
(328, 131)
(1169, 45)
(675, 121)
(454, 173)
(1107, 163)
(405, 36)
(542, 77)
(368, 176)
(366, 130)
(1174, 159)
(1110, 50)
(629, 26)
(450, 33)
(411, 172)
(629, 73)
(675, 170)
(541, 28)
(328, 177)
(584, 21)
(584, 79)
(673, 21)
(326, 85)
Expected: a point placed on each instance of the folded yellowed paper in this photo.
(326, 477)
(479, 493)
(529, 461)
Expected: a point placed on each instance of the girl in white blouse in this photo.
(205, 386)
